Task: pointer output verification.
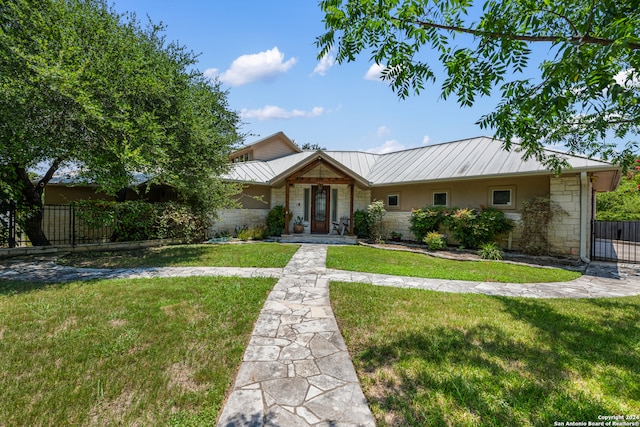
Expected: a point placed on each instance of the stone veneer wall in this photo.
(229, 219)
(398, 222)
(564, 231)
(361, 199)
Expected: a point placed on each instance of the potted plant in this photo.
(395, 236)
(298, 224)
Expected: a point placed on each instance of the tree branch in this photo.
(52, 169)
(22, 175)
(585, 39)
(590, 20)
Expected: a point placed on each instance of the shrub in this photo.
(376, 212)
(434, 241)
(490, 251)
(140, 220)
(275, 221)
(362, 224)
(178, 221)
(254, 233)
(472, 228)
(426, 220)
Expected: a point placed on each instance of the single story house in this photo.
(67, 187)
(324, 186)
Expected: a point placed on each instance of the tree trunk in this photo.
(32, 203)
(33, 228)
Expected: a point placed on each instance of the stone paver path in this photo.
(296, 370)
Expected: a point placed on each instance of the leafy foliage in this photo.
(434, 241)
(362, 224)
(472, 228)
(424, 221)
(584, 93)
(253, 233)
(468, 226)
(490, 251)
(276, 221)
(624, 203)
(86, 87)
(376, 213)
(139, 220)
(537, 214)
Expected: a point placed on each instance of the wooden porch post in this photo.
(286, 208)
(351, 210)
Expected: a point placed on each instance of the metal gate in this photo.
(617, 241)
(60, 224)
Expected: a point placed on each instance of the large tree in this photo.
(84, 87)
(585, 92)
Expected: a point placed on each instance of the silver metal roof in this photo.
(480, 157)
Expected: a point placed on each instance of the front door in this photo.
(320, 209)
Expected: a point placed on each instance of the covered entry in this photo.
(320, 181)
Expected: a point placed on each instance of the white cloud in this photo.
(628, 78)
(426, 140)
(383, 131)
(388, 147)
(211, 73)
(274, 112)
(374, 72)
(255, 67)
(325, 63)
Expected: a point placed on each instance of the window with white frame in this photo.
(440, 198)
(502, 197)
(393, 201)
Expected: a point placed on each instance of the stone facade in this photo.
(230, 219)
(398, 222)
(564, 231)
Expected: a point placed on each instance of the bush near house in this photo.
(473, 228)
(275, 221)
(140, 220)
(469, 226)
(424, 221)
(362, 224)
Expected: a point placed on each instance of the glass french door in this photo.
(320, 209)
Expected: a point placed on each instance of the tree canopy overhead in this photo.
(81, 85)
(585, 93)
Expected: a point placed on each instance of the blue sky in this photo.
(264, 53)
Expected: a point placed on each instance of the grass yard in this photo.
(262, 255)
(159, 351)
(440, 359)
(400, 263)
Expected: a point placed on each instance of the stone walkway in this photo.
(296, 370)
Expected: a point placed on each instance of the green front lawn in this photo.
(400, 263)
(260, 254)
(123, 352)
(438, 359)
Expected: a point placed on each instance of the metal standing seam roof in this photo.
(464, 159)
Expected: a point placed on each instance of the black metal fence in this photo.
(615, 241)
(60, 223)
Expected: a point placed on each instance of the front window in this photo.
(502, 197)
(440, 198)
(393, 200)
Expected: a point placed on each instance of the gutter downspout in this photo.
(584, 220)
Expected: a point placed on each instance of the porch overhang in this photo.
(300, 177)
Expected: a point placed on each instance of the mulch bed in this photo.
(470, 255)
